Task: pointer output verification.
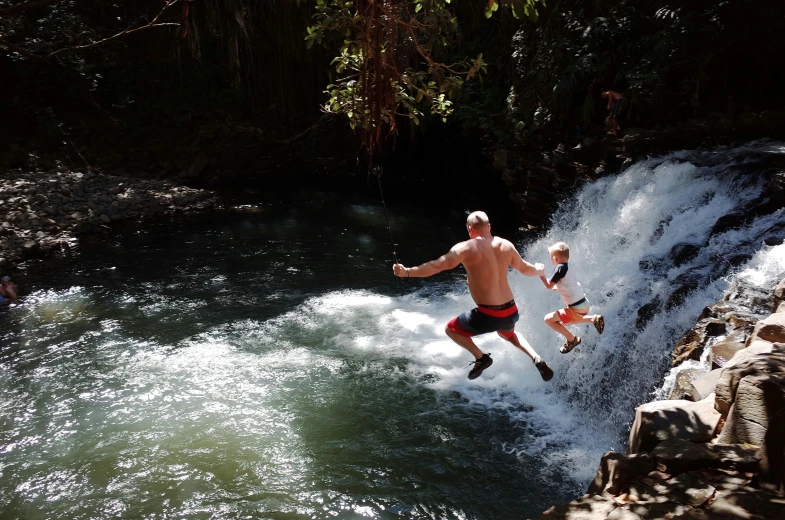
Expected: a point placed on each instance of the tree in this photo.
(390, 61)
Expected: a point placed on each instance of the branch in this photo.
(27, 5)
(125, 32)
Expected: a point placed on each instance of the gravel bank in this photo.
(45, 212)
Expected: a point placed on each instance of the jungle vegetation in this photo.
(151, 83)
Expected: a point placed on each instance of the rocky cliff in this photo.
(716, 448)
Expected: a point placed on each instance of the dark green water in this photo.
(265, 363)
(258, 364)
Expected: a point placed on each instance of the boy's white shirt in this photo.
(569, 288)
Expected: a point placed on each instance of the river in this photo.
(264, 362)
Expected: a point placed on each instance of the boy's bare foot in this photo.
(569, 345)
(599, 323)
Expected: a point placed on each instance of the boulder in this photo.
(747, 504)
(622, 513)
(722, 352)
(692, 344)
(757, 417)
(727, 222)
(703, 387)
(682, 387)
(684, 489)
(679, 455)
(663, 420)
(617, 470)
(779, 292)
(770, 329)
(660, 510)
(740, 365)
(588, 507)
(683, 252)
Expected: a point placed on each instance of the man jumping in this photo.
(486, 259)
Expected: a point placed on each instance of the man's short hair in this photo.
(562, 248)
(477, 218)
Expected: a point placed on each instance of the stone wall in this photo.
(716, 449)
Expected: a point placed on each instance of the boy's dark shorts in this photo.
(486, 318)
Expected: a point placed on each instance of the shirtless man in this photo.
(486, 259)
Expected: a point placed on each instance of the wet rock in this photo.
(647, 312)
(702, 387)
(728, 222)
(687, 283)
(683, 252)
(692, 344)
(682, 387)
(721, 353)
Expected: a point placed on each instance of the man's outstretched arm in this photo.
(524, 267)
(443, 263)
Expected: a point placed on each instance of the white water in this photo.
(610, 225)
(147, 404)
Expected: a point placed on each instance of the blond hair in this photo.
(477, 219)
(560, 248)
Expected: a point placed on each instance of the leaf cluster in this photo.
(393, 60)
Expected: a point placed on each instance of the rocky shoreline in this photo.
(716, 448)
(43, 213)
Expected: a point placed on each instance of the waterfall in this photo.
(240, 370)
(650, 258)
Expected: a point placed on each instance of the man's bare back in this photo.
(486, 262)
(486, 259)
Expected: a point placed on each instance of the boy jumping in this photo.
(566, 284)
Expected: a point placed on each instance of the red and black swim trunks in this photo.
(486, 318)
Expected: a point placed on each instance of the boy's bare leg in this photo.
(552, 320)
(465, 342)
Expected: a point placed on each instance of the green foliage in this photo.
(661, 57)
(393, 59)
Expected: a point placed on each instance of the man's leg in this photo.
(464, 341)
(553, 321)
(519, 341)
(515, 339)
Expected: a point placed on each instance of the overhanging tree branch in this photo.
(125, 32)
(25, 6)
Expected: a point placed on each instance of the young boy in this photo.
(566, 284)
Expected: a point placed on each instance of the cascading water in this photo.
(275, 365)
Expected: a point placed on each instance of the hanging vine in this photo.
(389, 65)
